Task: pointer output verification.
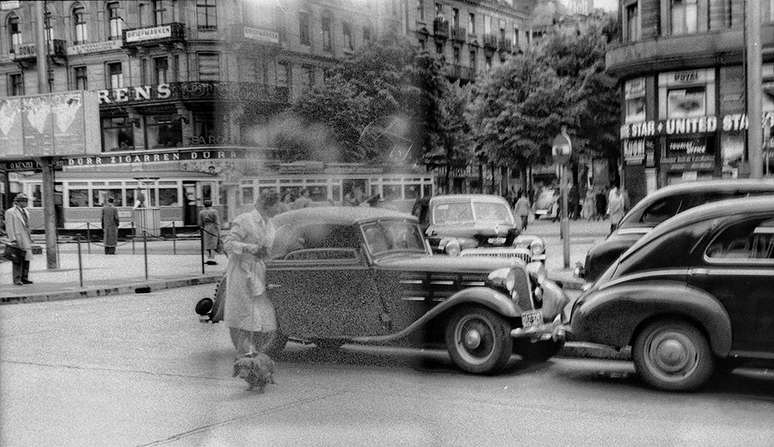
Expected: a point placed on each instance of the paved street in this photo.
(141, 370)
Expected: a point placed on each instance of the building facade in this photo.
(681, 64)
(186, 86)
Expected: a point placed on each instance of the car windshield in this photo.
(393, 236)
(469, 212)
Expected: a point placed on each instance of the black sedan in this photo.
(658, 207)
(366, 275)
(693, 295)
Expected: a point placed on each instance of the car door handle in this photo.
(273, 286)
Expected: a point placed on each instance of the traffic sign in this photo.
(561, 147)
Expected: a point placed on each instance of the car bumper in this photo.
(555, 331)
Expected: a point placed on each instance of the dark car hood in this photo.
(451, 264)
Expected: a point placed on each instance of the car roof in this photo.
(341, 215)
(709, 211)
(468, 197)
(717, 185)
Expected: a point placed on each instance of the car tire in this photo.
(673, 355)
(539, 351)
(478, 340)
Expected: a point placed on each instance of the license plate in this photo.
(531, 318)
(496, 240)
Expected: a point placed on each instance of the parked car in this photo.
(547, 203)
(366, 275)
(658, 207)
(479, 225)
(693, 295)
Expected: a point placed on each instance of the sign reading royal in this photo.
(675, 126)
(139, 93)
(152, 33)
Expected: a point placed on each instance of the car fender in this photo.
(483, 296)
(613, 315)
(602, 255)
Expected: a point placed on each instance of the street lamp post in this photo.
(561, 149)
(754, 87)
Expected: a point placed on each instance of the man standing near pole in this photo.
(110, 227)
(17, 224)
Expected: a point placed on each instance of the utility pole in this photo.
(754, 86)
(46, 162)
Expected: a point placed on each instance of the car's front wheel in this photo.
(478, 340)
(673, 355)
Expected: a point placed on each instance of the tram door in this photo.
(190, 210)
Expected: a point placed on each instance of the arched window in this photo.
(14, 32)
(115, 21)
(80, 29)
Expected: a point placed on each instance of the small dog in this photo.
(256, 368)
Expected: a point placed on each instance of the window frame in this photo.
(79, 23)
(81, 72)
(633, 27)
(159, 12)
(15, 37)
(327, 38)
(304, 22)
(115, 21)
(109, 74)
(206, 9)
(13, 84)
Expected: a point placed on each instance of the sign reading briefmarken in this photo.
(57, 124)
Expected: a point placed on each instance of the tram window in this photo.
(411, 191)
(99, 197)
(168, 197)
(129, 197)
(207, 192)
(336, 193)
(392, 192)
(247, 195)
(318, 193)
(79, 198)
(428, 190)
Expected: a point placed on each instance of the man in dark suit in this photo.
(110, 227)
(17, 223)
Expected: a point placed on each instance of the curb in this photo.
(137, 287)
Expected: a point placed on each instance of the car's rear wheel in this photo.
(673, 355)
(478, 340)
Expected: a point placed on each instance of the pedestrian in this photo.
(601, 202)
(574, 201)
(589, 205)
(248, 312)
(17, 224)
(420, 209)
(615, 206)
(303, 200)
(286, 204)
(209, 222)
(522, 210)
(109, 227)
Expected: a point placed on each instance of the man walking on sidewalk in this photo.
(110, 227)
(17, 224)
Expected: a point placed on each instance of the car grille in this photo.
(498, 252)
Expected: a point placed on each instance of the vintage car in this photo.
(691, 296)
(365, 275)
(479, 225)
(658, 207)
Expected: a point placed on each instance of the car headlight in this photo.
(537, 247)
(452, 248)
(504, 278)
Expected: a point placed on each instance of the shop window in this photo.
(684, 15)
(78, 198)
(117, 134)
(632, 23)
(303, 28)
(206, 17)
(14, 32)
(80, 28)
(115, 22)
(115, 75)
(163, 131)
(686, 102)
(160, 68)
(326, 34)
(15, 84)
(159, 12)
(168, 197)
(81, 78)
(209, 66)
(471, 23)
(346, 29)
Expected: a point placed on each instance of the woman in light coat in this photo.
(248, 312)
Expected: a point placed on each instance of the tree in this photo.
(452, 138)
(515, 111)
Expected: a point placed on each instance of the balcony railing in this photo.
(490, 41)
(154, 35)
(441, 27)
(56, 47)
(201, 91)
(459, 33)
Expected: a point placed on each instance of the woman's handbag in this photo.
(14, 253)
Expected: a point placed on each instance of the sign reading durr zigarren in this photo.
(58, 124)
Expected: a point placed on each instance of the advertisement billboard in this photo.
(58, 124)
